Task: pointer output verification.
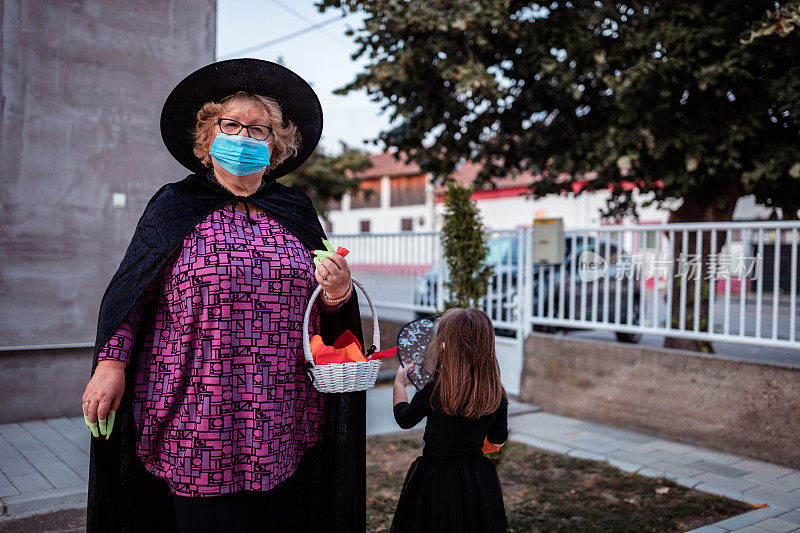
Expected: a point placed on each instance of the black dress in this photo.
(123, 496)
(452, 486)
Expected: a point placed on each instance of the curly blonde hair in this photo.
(285, 137)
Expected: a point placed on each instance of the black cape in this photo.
(328, 491)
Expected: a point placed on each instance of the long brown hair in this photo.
(468, 378)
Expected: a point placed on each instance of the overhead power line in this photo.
(280, 39)
(307, 20)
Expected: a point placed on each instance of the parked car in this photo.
(503, 253)
(501, 299)
(599, 275)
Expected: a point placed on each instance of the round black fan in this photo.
(412, 347)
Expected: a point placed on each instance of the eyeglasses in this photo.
(229, 126)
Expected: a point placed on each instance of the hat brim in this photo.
(212, 83)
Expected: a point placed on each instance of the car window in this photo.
(581, 244)
(609, 247)
(503, 250)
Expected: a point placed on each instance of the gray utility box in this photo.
(548, 240)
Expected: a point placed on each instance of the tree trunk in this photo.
(710, 206)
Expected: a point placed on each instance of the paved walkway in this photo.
(43, 464)
(736, 477)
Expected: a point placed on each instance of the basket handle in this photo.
(376, 332)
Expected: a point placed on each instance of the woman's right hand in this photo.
(104, 393)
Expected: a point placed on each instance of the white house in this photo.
(400, 199)
(403, 199)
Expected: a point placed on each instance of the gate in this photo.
(629, 280)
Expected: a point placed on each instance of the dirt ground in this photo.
(543, 492)
(548, 492)
(68, 521)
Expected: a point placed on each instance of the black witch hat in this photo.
(212, 83)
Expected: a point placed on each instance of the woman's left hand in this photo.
(334, 275)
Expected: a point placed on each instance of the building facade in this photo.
(82, 84)
(81, 89)
(402, 198)
(396, 196)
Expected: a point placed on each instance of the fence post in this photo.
(526, 290)
(440, 299)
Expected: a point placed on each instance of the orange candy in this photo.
(345, 349)
(488, 447)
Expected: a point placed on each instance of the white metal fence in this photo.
(730, 282)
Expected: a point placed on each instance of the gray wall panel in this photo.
(82, 84)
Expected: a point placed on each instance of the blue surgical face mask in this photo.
(240, 155)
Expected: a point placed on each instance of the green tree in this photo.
(327, 178)
(464, 248)
(668, 95)
(696, 103)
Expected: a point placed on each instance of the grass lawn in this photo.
(548, 492)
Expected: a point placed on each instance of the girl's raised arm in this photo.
(407, 415)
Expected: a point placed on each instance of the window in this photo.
(406, 224)
(408, 190)
(650, 240)
(368, 196)
(364, 225)
(646, 239)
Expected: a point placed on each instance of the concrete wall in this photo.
(735, 406)
(40, 384)
(82, 83)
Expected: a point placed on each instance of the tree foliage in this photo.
(464, 248)
(326, 178)
(688, 100)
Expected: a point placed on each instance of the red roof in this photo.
(386, 164)
(467, 172)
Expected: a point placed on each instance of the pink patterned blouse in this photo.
(221, 401)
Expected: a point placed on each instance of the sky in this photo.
(321, 56)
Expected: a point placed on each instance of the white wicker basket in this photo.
(343, 377)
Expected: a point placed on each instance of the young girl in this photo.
(452, 486)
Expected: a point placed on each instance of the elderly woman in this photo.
(198, 362)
